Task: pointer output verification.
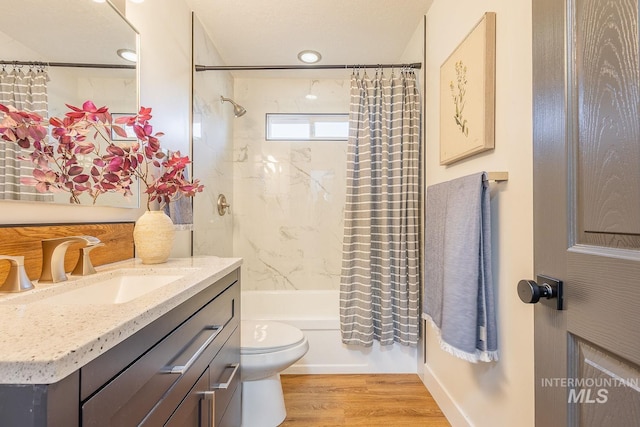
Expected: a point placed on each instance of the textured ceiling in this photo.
(261, 32)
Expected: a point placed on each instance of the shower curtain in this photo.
(24, 91)
(379, 290)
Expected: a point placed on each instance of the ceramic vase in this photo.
(153, 236)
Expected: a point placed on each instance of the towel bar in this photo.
(497, 176)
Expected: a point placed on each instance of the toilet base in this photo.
(263, 402)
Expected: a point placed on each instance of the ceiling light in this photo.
(128, 55)
(100, 1)
(136, 1)
(309, 56)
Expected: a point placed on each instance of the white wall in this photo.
(496, 394)
(165, 77)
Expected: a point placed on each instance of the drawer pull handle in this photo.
(209, 411)
(226, 385)
(181, 369)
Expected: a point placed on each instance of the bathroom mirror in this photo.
(78, 41)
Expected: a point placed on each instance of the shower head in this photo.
(238, 110)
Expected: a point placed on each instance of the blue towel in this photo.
(180, 210)
(458, 295)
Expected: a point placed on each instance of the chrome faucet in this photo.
(17, 280)
(53, 252)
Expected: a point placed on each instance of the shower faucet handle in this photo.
(223, 206)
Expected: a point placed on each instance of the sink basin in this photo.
(115, 290)
(103, 288)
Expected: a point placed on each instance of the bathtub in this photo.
(316, 313)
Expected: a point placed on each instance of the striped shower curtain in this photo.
(24, 91)
(379, 290)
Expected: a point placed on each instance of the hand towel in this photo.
(180, 209)
(458, 295)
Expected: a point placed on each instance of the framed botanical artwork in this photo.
(131, 135)
(467, 94)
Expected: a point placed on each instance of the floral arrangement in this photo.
(60, 164)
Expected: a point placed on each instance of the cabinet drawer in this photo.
(194, 411)
(211, 396)
(225, 375)
(233, 416)
(107, 366)
(151, 388)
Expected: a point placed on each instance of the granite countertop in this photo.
(42, 342)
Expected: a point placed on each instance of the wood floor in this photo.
(388, 400)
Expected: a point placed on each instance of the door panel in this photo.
(606, 383)
(603, 301)
(586, 128)
(608, 129)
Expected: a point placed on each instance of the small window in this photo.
(307, 127)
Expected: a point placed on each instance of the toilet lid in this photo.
(266, 335)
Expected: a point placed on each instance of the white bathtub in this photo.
(316, 313)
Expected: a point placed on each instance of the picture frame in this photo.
(467, 94)
(131, 135)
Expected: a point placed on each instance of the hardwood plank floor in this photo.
(388, 400)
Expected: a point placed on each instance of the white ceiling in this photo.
(272, 32)
(77, 31)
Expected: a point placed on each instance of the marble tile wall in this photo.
(288, 196)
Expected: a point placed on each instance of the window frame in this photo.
(311, 116)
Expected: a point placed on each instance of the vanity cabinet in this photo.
(183, 369)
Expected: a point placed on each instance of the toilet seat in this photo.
(265, 336)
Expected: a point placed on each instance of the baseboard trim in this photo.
(447, 405)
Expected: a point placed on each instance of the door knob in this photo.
(544, 289)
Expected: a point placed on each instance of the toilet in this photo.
(266, 349)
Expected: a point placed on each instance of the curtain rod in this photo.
(415, 65)
(67, 64)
